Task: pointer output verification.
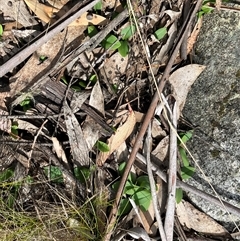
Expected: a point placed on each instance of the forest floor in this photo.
(92, 137)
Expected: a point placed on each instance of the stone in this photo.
(213, 105)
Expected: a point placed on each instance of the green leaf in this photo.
(92, 31)
(124, 207)
(143, 199)
(12, 198)
(29, 179)
(121, 167)
(26, 102)
(143, 181)
(179, 195)
(14, 128)
(82, 173)
(102, 146)
(54, 172)
(115, 88)
(160, 33)
(185, 137)
(131, 177)
(1, 30)
(98, 6)
(76, 88)
(112, 42)
(187, 172)
(93, 78)
(115, 186)
(123, 49)
(184, 157)
(64, 80)
(128, 32)
(82, 84)
(42, 58)
(130, 188)
(206, 9)
(6, 174)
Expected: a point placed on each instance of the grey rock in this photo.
(213, 105)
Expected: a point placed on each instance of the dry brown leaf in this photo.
(192, 218)
(10, 25)
(43, 12)
(58, 3)
(122, 133)
(161, 149)
(78, 99)
(79, 148)
(91, 129)
(157, 131)
(59, 150)
(97, 98)
(114, 67)
(46, 13)
(89, 18)
(33, 67)
(182, 80)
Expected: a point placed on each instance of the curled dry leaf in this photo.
(122, 133)
(92, 130)
(79, 148)
(59, 150)
(192, 218)
(182, 80)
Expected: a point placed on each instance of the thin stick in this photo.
(34, 143)
(153, 186)
(172, 177)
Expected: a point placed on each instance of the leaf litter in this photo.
(101, 95)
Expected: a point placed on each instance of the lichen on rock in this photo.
(213, 105)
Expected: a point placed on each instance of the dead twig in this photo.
(172, 177)
(153, 186)
(34, 143)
